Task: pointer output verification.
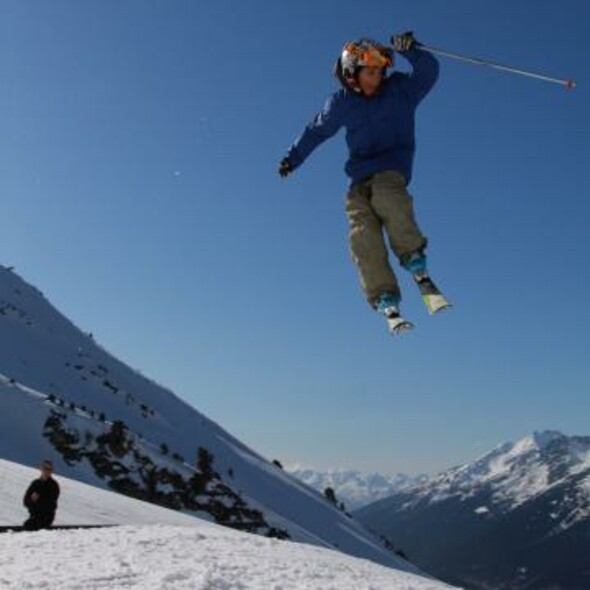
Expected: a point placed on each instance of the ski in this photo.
(59, 527)
(434, 300)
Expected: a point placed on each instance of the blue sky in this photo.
(138, 150)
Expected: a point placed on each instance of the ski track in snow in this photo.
(183, 558)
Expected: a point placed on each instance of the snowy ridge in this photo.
(516, 518)
(518, 472)
(355, 488)
(66, 398)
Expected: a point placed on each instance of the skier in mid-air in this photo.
(378, 113)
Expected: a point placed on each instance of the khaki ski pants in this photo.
(382, 202)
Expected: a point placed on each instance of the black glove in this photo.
(285, 167)
(405, 42)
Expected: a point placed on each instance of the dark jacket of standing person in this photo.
(41, 499)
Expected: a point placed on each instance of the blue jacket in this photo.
(380, 128)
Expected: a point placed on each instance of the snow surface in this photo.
(208, 557)
(180, 553)
(482, 510)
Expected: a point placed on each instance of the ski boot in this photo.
(434, 300)
(388, 305)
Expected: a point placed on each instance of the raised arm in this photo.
(425, 66)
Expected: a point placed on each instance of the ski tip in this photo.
(435, 303)
(436, 310)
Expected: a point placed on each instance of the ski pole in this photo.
(569, 84)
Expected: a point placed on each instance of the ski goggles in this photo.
(368, 56)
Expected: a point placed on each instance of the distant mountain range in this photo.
(355, 488)
(518, 518)
(65, 398)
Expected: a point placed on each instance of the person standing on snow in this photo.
(41, 499)
(378, 113)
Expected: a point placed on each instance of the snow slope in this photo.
(175, 551)
(80, 503)
(61, 394)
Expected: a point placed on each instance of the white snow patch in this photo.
(180, 552)
(175, 558)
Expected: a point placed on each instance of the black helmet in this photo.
(358, 54)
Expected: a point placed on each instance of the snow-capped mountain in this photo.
(160, 548)
(63, 397)
(517, 517)
(355, 488)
